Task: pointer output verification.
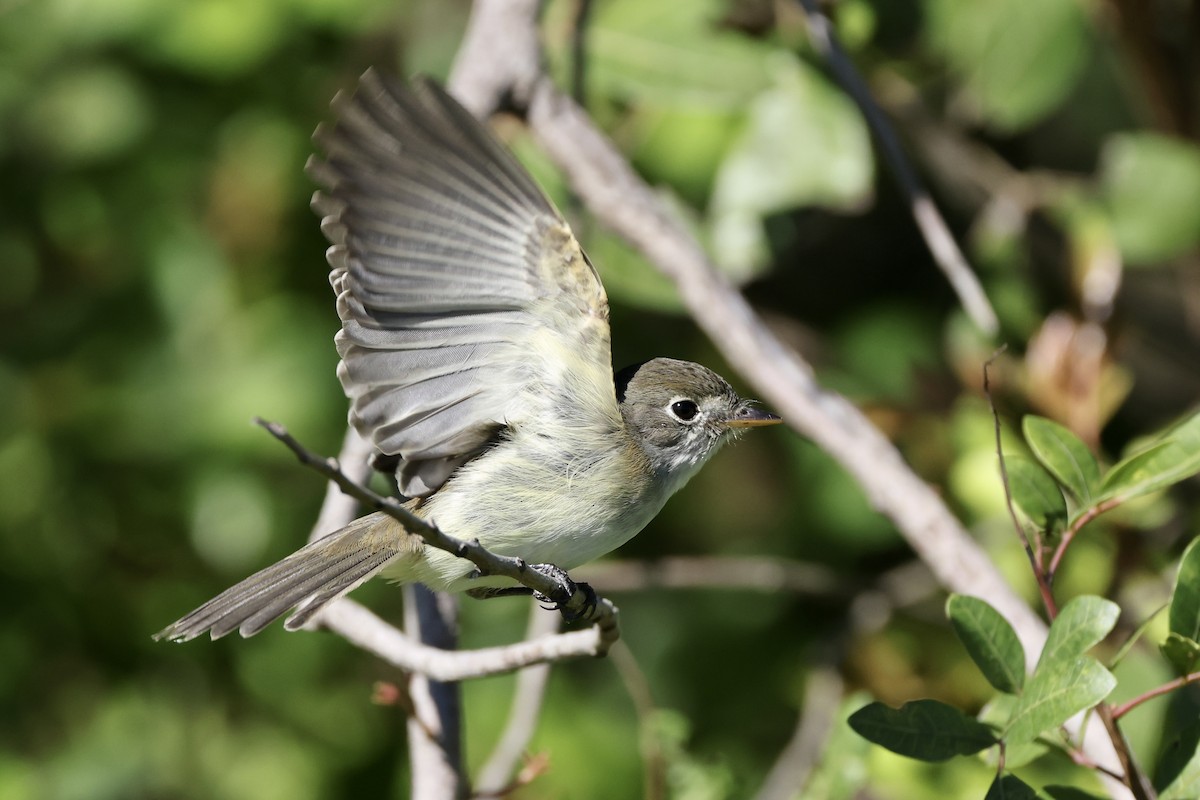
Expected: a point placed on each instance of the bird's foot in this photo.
(576, 601)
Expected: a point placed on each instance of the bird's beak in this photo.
(747, 417)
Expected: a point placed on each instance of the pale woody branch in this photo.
(491, 66)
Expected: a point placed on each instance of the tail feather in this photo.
(307, 580)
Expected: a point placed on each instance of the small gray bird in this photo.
(475, 353)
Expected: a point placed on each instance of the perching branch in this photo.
(359, 626)
(489, 563)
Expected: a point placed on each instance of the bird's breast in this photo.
(564, 501)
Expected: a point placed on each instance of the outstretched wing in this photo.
(466, 302)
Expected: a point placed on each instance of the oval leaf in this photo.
(1069, 793)
(1035, 493)
(1052, 696)
(1064, 455)
(996, 714)
(1182, 652)
(1185, 600)
(991, 642)
(1186, 785)
(1081, 625)
(927, 730)
(1175, 457)
(1010, 787)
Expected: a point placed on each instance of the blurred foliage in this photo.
(164, 283)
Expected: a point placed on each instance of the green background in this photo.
(162, 282)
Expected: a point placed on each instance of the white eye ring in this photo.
(684, 409)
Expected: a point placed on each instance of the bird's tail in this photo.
(307, 581)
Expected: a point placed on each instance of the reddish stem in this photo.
(1035, 559)
(1170, 686)
(1069, 535)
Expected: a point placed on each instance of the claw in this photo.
(569, 589)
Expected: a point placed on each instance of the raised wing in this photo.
(466, 303)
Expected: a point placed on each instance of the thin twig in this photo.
(791, 771)
(1137, 782)
(748, 573)
(579, 26)
(1069, 535)
(1035, 561)
(523, 713)
(604, 613)
(654, 764)
(1158, 691)
(938, 239)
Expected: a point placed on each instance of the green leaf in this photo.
(1010, 787)
(927, 730)
(673, 55)
(991, 642)
(1174, 457)
(1182, 652)
(1185, 600)
(1018, 59)
(1179, 757)
(1081, 625)
(996, 714)
(1064, 455)
(804, 144)
(1069, 793)
(1186, 785)
(1035, 493)
(1151, 186)
(1054, 695)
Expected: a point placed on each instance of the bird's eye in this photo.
(684, 410)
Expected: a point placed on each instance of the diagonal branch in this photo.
(490, 66)
(361, 627)
(933, 228)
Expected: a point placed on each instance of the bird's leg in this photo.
(571, 610)
(583, 609)
(506, 591)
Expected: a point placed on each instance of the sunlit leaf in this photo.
(1157, 467)
(927, 730)
(989, 639)
(1179, 764)
(1010, 787)
(804, 144)
(1186, 785)
(1018, 59)
(996, 713)
(1069, 793)
(1035, 493)
(1182, 652)
(673, 54)
(1054, 695)
(1184, 615)
(1081, 624)
(1064, 455)
(1151, 186)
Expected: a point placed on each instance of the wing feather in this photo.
(466, 303)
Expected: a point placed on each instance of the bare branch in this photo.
(929, 220)
(759, 574)
(603, 613)
(361, 627)
(497, 771)
(822, 696)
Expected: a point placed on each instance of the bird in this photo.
(475, 352)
